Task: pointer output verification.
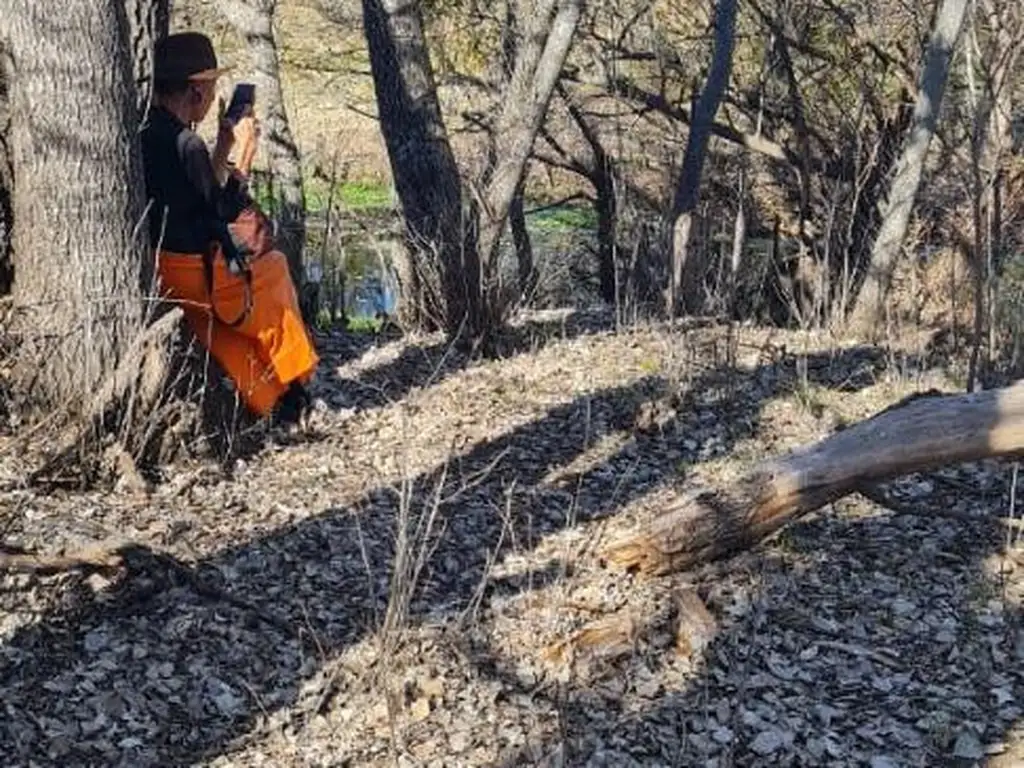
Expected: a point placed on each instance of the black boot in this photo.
(294, 406)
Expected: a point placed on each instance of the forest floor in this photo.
(419, 581)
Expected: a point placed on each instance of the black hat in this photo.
(186, 56)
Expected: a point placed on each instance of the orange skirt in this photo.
(265, 353)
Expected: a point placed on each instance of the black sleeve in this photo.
(195, 158)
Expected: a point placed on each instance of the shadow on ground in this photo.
(877, 641)
(158, 672)
(420, 365)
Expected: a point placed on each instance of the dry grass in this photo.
(433, 553)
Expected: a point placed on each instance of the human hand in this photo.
(246, 135)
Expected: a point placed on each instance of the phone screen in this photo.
(244, 95)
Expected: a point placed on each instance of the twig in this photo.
(133, 557)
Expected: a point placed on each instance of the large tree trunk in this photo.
(423, 166)
(870, 305)
(925, 433)
(254, 21)
(688, 189)
(148, 21)
(78, 200)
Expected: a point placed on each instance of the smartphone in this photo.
(243, 96)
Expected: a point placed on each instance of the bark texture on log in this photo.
(926, 433)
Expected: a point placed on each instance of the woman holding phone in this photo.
(236, 291)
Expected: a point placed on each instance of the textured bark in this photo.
(254, 22)
(869, 308)
(687, 192)
(866, 215)
(926, 433)
(77, 200)
(148, 21)
(423, 167)
(540, 55)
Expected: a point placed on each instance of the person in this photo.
(237, 296)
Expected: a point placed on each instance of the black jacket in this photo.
(188, 208)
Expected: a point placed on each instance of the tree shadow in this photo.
(917, 663)
(418, 365)
(169, 671)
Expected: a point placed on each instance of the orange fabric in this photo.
(271, 348)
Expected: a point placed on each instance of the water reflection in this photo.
(351, 258)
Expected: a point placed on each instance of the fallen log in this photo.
(921, 433)
(98, 557)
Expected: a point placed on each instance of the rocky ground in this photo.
(420, 582)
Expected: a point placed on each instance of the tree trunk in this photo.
(422, 163)
(739, 241)
(148, 21)
(865, 216)
(925, 433)
(6, 191)
(606, 207)
(423, 166)
(599, 170)
(538, 65)
(77, 200)
(526, 269)
(254, 22)
(870, 305)
(688, 188)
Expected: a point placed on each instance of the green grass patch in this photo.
(351, 195)
(363, 324)
(564, 218)
(357, 194)
(359, 324)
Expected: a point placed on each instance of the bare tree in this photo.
(254, 22)
(526, 269)
(426, 176)
(423, 167)
(870, 304)
(688, 187)
(993, 43)
(539, 55)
